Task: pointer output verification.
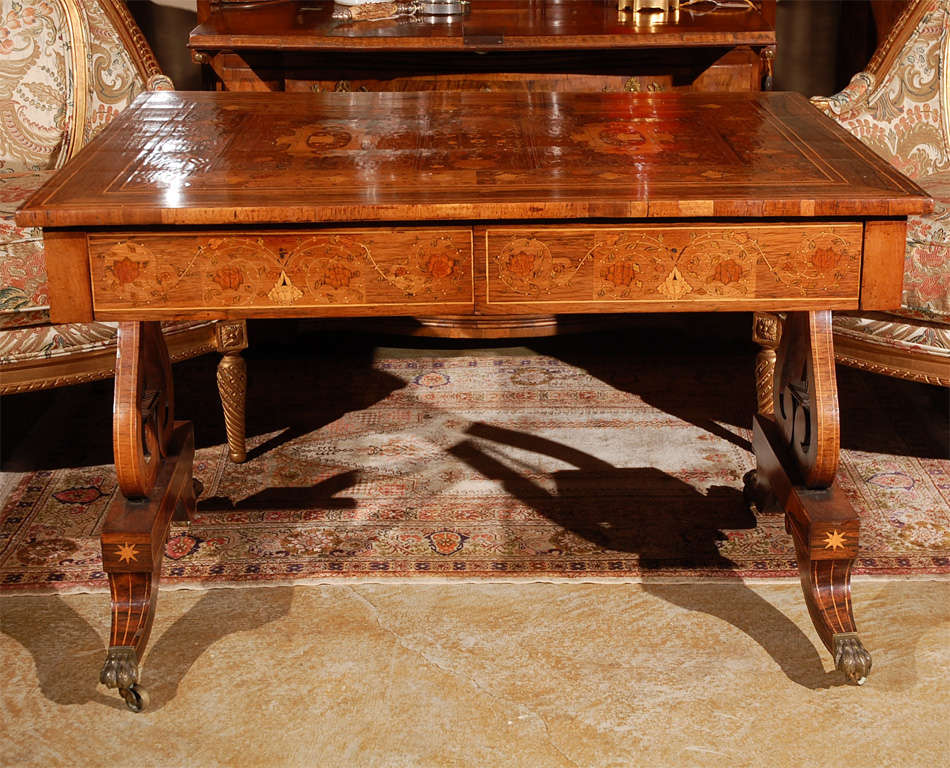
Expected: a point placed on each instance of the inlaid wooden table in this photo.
(498, 45)
(204, 205)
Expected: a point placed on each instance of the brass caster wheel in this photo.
(136, 697)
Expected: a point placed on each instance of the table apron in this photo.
(457, 269)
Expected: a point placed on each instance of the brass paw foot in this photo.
(851, 657)
(121, 671)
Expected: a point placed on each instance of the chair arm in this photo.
(850, 100)
(159, 83)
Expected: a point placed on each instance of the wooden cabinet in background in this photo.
(534, 45)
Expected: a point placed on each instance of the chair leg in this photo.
(232, 385)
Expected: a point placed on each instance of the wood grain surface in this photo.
(245, 158)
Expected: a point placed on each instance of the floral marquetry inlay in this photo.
(341, 268)
(673, 264)
(720, 263)
(526, 266)
(434, 266)
(818, 263)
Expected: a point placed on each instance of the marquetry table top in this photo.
(233, 158)
(490, 24)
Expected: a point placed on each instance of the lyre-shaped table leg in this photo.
(154, 456)
(796, 460)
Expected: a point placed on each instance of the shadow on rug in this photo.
(598, 458)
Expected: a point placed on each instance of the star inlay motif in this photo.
(834, 540)
(127, 553)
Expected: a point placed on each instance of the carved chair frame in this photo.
(869, 355)
(226, 337)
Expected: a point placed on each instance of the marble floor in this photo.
(480, 674)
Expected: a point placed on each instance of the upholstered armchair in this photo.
(900, 108)
(67, 67)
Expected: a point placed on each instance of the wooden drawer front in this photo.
(581, 269)
(378, 271)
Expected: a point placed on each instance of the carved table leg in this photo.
(796, 460)
(766, 332)
(154, 457)
(232, 385)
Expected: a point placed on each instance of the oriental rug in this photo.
(588, 465)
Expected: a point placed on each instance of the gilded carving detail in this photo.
(232, 387)
(766, 329)
(765, 382)
(231, 336)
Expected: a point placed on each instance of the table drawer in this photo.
(268, 273)
(688, 268)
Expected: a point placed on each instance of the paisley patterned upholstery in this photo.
(927, 260)
(900, 108)
(113, 79)
(42, 44)
(901, 114)
(36, 84)
(889, 330)
(23, 296)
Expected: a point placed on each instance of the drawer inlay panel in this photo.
(342, 268)
(672, 263)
